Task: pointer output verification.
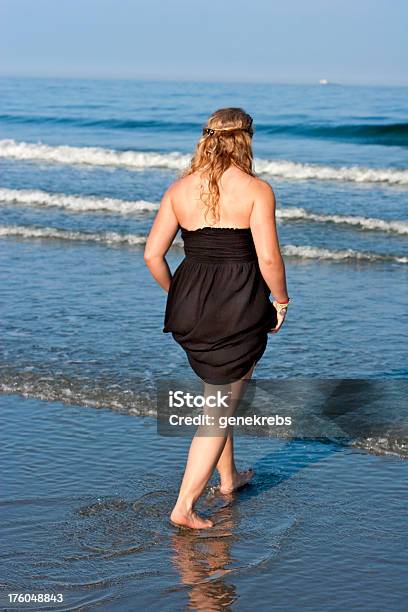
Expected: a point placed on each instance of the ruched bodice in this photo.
(218, 306)
(219, 245)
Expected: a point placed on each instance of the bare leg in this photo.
(230, 478)
(202, 459)
(203, 456)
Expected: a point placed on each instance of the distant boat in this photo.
(324, 82)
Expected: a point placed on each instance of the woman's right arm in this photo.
(161, 236)
(263, 228)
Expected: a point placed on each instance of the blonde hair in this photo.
(226, 141)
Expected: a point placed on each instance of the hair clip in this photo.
(209, 131)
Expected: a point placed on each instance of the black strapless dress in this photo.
(218, 306)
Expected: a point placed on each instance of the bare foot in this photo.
(189, 519)
(240, 479)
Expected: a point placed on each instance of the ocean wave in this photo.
(115, 238)
(139, 160)
(386, 134)
(75, 203)
(109, 238)
(387, 444)
(289, 170)
(138, 398)
(91, 156)
(72, 391)
(78, 203)
(365, 223)
(110, 123)
(311, 252)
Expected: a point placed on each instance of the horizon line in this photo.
(174, 79)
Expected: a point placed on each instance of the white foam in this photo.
(310, 252)
(138, 160)
(384, 445)
(60, 234)
(290, 250)
(76, 203)
(94, 156)
(356, 174)
(366, 223)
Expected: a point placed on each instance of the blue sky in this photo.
(299, 41)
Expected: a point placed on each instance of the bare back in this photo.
(235, 203)
(245, 202)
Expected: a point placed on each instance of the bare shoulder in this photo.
(263, 192)
(262, 187)
(174, 190)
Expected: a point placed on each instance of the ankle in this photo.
(184, 505)
(228, 475)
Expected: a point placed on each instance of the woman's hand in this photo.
(281, 310)
(280, 317)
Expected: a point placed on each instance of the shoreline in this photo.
(94, 487)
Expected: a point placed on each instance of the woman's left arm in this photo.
(159, 240)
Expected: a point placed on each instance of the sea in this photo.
(88, 482)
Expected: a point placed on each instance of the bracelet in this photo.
(280, 306)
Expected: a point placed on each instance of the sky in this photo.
(286, 41)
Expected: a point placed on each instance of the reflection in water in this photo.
(203, 561)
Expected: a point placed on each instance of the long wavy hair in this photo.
(226, 141)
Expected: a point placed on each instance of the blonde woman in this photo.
(218, 304)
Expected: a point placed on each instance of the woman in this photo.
(218, 305)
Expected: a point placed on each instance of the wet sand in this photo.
(85, 500)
